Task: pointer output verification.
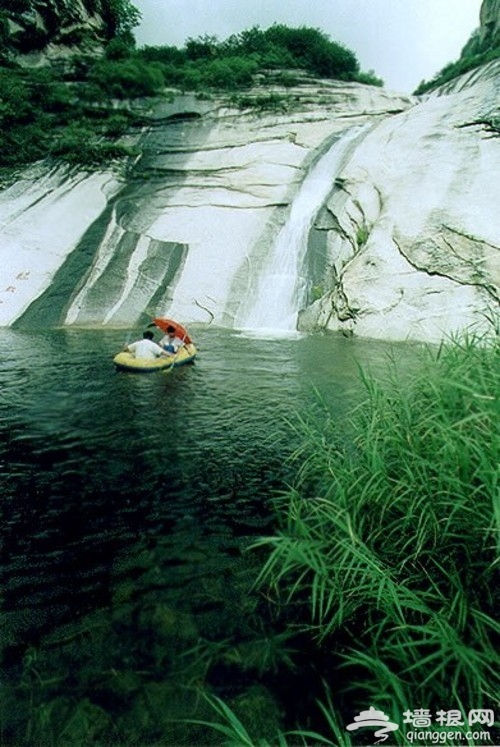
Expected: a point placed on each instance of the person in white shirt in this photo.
(146, 348)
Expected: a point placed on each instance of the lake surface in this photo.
(117, 489)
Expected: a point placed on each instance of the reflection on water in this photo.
(114, 484)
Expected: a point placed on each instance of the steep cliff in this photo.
(405, 244)
(181, 228)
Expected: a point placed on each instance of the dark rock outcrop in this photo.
(37, 31)
(489, 31)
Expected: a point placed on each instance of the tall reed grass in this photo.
(391, 541)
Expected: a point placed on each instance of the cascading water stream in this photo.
(280, 291)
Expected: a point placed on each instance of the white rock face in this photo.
(42, 219)
(409, 232)
(419, 252)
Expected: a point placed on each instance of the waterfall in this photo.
(280, 291)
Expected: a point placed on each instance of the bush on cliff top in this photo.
(37, 106)
(277, 47)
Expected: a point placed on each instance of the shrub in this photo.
(166, 55)
(277, 47)
(232, 72)
(79, 145)
(118, 49)
(369, 79)
(15, 104)
(23, 144)
(48, 93)
(39, 101)
(273, 102)
(121, 17)
(127, 78)
(203, 48)
(313, 50)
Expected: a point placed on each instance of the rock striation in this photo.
(413, 243)
(187, 228)
(406, 245)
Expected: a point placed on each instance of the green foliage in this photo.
(39, 111)
(286, 79)
(118, 49)
(165, 55)
(23, 126)
(306, 48)
(473, 55)
(317, 292)
(393, 540)
(369, 79)
(234, 72)
(206, 62)
(273, 102)
(313, 51)
(15, 105)
(121, 17)
(203, 48)
(225, 721)
(126, 78)
(43, 116)
(454, 69)
(80, 145)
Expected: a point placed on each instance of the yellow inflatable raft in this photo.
(126, 361)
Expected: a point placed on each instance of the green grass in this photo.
(226, 722)
(391, 542)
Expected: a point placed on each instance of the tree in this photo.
(121, 16)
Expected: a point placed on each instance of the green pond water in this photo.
(128, 503)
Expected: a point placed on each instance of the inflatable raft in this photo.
(126, 361)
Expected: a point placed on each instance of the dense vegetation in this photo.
(78, 113)
(207, 63)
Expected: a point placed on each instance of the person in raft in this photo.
(171, 343)
(146, 348)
